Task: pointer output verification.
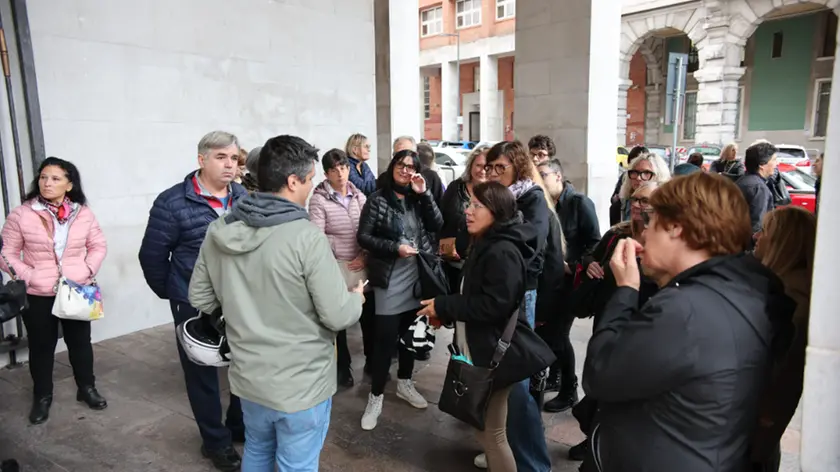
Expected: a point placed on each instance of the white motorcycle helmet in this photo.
(202, 341)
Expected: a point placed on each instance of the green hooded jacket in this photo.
(283, 297)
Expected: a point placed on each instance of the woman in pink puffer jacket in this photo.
(54, 224)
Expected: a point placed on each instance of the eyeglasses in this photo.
(475, 206)
(498, 169)
(539, 155)
(408, 167)
(641, 201)
(642, 175)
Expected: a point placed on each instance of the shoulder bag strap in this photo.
(504, 342)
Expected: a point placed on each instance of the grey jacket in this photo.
(283, 297)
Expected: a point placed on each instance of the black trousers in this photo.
(204, 393)
(42, 329)
(388, 330)
(367, 324)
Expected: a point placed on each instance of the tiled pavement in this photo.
(148, 424)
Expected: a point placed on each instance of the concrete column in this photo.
(717, 79)
(621, 129)
(449, 101)
(566, 77)
(653, 112)
(397, 51)
(821, 405)
(492, 120)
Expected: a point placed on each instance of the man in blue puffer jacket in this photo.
(177, 224)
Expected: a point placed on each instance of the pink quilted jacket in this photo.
(340, 224)
(30, 231)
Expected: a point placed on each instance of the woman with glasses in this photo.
(396, 223)
(605, 285)
(645, 168)
(678, 381)
(358, 153)
(510, 164)
(454, 239)
(335, 207)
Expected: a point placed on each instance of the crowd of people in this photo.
(699, 293)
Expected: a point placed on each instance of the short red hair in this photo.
(711, 210)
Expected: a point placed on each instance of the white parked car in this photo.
(794, 155)
(450, 163)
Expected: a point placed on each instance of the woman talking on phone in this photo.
(397, 222)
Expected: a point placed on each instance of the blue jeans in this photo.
(292, 440)
(525, 430)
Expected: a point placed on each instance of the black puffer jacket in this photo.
(534, 209)
(493, 288)
(734, 169)
(381, 225)
(452, 206)
(579, 222)
(679, 380)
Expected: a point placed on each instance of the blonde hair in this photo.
(788, 240)
(724, 153)
(355, 140)
(479, 150)
(660, 169)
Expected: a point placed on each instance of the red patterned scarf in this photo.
(62, 211)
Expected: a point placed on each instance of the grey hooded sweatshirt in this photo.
(280, 288)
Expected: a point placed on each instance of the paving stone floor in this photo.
(148, 425)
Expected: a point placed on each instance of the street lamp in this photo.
(457, 36)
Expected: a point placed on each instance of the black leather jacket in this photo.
(381, 225)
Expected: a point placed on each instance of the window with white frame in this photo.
(467, 13)
(739, 112)
(427, 97)
(822, 95)
(431, 22)
(689, 116)
(505, 9)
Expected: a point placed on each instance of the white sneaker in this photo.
(406, 391)
(480, 461)
(372, 411)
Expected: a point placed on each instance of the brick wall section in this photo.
(636, 101)
(506, 85)
(432, 127)
(488, 27)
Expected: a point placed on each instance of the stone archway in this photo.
(746, 16)
(639, 34)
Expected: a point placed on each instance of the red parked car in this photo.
(800, 185)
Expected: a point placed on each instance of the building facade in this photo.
(762, 72)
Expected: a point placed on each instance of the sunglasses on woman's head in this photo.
(643, 174)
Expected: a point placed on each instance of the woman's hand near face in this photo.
(418, 183)
(624, 265)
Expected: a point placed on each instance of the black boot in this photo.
(91, 398)
(345, 377)
(567, 398)
(225, 459)
(40, 409)
(553, 382)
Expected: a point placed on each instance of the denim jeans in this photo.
(291, 440)
(525, 430)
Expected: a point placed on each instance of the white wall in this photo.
(127, 89)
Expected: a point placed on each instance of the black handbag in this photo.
(781, 196)
(467, 388)
(582, 298)
(433, 280)
(13, 298)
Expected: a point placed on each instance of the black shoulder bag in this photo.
(433, 280)
(467, 388)
(13, 298)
